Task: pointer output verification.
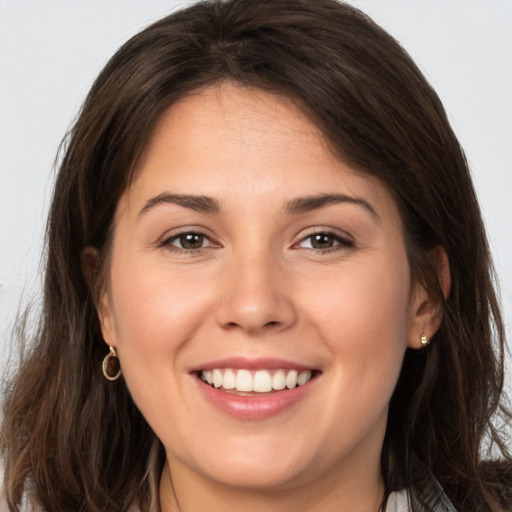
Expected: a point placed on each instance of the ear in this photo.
(426, 311)
(89, 263)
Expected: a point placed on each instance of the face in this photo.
(259, 296)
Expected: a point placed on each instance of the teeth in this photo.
(279, 380)
(291, 379)
(217, 378)
(243, 381)
(261, 381)
(229, 380)
(303, 378)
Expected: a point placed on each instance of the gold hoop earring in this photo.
(424, 340)
(111, 366)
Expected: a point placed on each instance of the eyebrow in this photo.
(206, 204)
(202, 204)
(309, 203)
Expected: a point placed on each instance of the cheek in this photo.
(363, 317)
(363, 321)
(156, 314)
(152, 307)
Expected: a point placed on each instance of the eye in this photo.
(189, 241)
(324, 241)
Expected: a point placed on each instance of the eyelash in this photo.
(339, 242)
(168, 242)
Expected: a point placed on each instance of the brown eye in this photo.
(322, 241)
(188, 241)
(325, 241)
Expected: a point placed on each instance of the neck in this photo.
(358, 490)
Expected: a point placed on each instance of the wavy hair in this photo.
(76, 441)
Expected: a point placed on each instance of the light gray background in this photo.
(51, 50)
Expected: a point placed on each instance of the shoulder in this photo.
(399, 502)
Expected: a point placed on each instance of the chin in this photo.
(257, 477)
(258, 468)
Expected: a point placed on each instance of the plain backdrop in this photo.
(51, 50)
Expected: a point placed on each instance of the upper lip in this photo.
(242, 363)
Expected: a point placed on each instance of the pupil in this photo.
(191, 241)
(322, 241)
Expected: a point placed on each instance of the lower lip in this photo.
(254, 407)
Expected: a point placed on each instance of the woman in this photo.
(268, 285)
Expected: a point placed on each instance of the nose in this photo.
(256, 296)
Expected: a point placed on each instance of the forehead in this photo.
(225, 119)
(233, 142)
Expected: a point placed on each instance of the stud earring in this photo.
(424, 340)
(111, 366)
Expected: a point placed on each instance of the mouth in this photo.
(245, 382)
(255, 389)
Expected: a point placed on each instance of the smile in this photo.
(258, 381)
(255, 389)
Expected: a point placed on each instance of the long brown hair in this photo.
(78, 442)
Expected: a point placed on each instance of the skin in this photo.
(259, 287)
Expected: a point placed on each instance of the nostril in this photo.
(253, 313)
(233, 325)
